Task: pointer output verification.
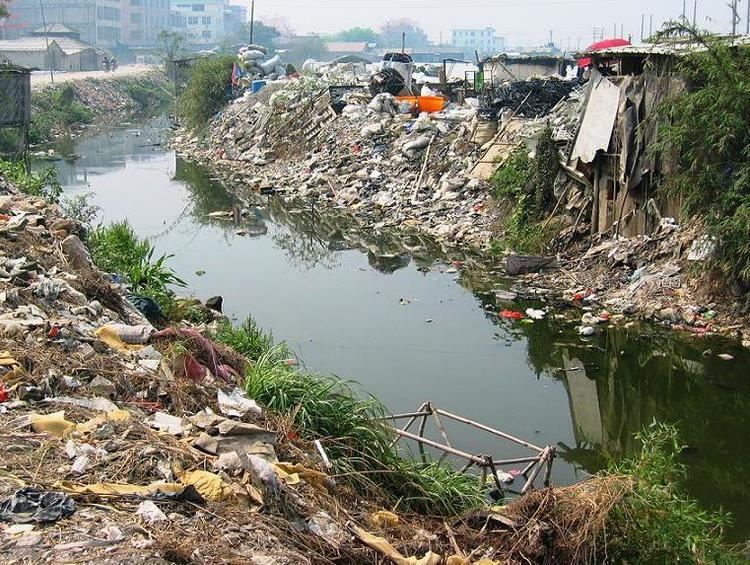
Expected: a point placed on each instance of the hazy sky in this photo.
(523, 22)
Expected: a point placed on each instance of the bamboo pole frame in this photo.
(542, 458)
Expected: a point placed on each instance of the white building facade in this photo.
(485, 41)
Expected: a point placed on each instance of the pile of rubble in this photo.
(393, 168)
(533, 98)
(651, 277)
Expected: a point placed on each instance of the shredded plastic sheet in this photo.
(30, 504)
(383, 547)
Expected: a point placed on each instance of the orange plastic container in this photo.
(430, 103)
(411, 100)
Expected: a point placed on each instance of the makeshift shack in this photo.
(611, 148)
(15, 105)
(506, 67)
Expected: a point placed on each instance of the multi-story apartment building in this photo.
(143, 21)
(484, 41)
(210, 21)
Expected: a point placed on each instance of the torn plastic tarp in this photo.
(31, 504)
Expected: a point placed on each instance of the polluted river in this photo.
(410, 322)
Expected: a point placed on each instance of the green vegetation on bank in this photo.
(705, 132)
(207, 91)
(360, 445)
(656, 522)
(524, 190)
(44, 185)
(149, 93)
(116, 248)
(55, 109)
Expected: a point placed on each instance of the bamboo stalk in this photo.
(548, 472)
(516, 461)
(450, 450)
(439, 424)
(414, 415)
(422, 426)
(493, 470)
(489, 429)
(535, 473)
(411, 421)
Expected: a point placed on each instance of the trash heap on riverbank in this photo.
(395, 169)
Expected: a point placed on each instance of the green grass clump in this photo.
(116, 248)
(656, 521)
(207, 90)
(360, 445)
(248, 339)
(510, 180)
(147, 93)
(44, 185)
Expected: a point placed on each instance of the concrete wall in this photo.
(510, 70)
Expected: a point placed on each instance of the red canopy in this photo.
(606, 44)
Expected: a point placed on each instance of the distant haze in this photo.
(523, 23)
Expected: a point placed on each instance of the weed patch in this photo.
(44, 185)
(207, 90)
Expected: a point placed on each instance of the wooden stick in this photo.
(503, 462)
(424, 169)
(488, 429)
(441, 447)
(414, 415)
(452, 538)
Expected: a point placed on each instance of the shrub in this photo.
(44, 185)
(79, 208)
(206, 91)
(655, 521)
(147, 94)
(704, 133)
(55, 108)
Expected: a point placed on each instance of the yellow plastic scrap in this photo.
(383, 519)
(291, 474)
(382, 546)
(209, 485)
(7, 360)
(456, 560)
(108, 335)
(53, 424)
(120, 489)
(94, 423)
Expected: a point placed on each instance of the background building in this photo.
(98, 21)
(208, 23)
(143, 21)
(485, 41)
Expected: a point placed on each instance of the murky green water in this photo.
(357, 304)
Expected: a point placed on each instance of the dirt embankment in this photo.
(71, 106)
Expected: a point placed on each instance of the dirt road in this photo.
(40, 79)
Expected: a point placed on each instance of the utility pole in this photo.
(734, 17)
(747, 19)
(46, 40)
(651, 25)
(684, 8)
(695, 13)
(252, 20)
(643, 25)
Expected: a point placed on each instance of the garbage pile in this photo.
(257, 65)
(533, 98)
(395, 169)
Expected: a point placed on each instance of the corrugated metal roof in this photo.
(56, 28)
(675, 49)
(68, 45)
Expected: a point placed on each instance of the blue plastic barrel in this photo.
(257, 85)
